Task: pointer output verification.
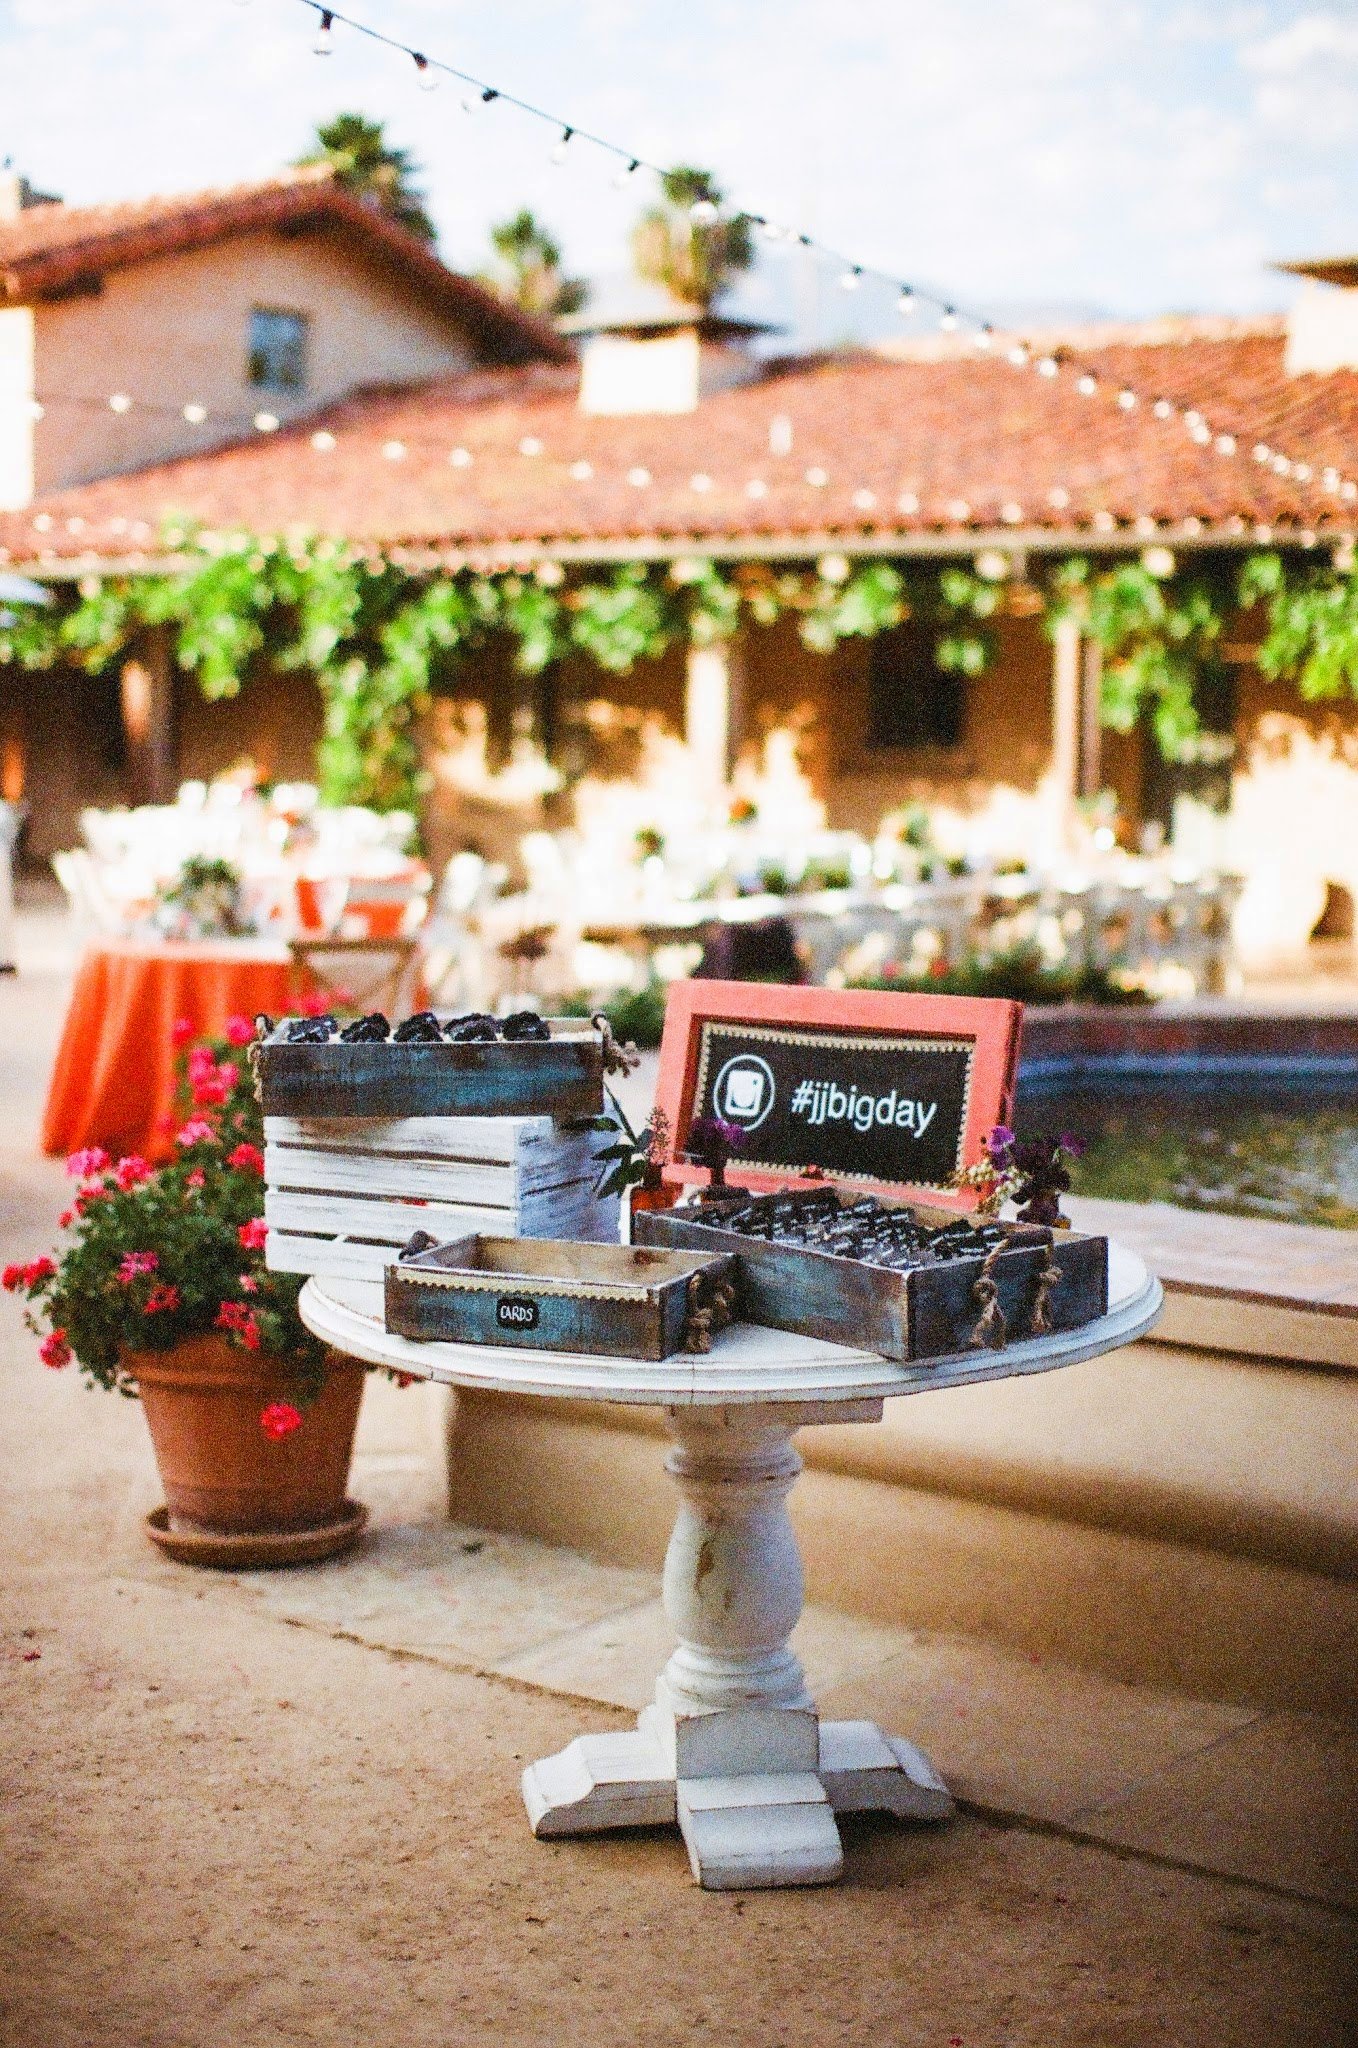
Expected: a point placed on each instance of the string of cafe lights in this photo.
(1050, 363)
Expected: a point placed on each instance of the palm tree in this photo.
(528, 269)
(686, 244)
(365, 163)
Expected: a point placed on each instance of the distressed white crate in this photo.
(343, 1194)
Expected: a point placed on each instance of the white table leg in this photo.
(731, 1746)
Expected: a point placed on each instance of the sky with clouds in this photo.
(1059, 153)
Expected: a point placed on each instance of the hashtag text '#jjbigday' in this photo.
(822, 1102)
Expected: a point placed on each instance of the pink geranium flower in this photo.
(239, 1031)
(197, 1131)
(131, 1171)
(254, 1235)
(197, 1179)
(84, 1165)
(279, 1419)
(135, 1264)
(182, 1031)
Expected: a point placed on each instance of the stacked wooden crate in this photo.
(344, 1192)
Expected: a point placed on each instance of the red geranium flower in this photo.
(12, 1279)
(239, 1031)
(314, 1005)
(249, 1284)
(39, 1269)
(240, 1321)
(279, 1419)
(254, 1234)
(182, 1031)
(246, 1159)
(54, 1350)
(131, 1171)
(162, 1298)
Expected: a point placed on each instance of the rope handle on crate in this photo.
(991, 1328)
(618, 1059)
(1048, 1280)
(992, 1331)
(707, 1312)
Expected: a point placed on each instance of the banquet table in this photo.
(113, 1083)
(731, 1748)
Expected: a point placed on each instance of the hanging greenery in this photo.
(381, 639)
(1160, 637)
(1312, 623)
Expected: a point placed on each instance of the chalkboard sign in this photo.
(892, 1092)
(861, 1105)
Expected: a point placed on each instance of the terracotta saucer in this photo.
(266, 1547)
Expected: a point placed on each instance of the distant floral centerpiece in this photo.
(157, 1255)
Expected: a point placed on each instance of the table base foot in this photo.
(865, 1771)
(599, 1782)
(747, 1832)
(747, 1819)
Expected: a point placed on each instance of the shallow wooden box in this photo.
(343, 1194)
(920, 1313)
(561, 1076)
(614, 1301)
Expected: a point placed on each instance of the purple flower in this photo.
(999, 1145)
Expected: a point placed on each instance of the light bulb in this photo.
(195, 414)
(907, 302)
(426, 77)
(472, 102)
(949, 319)
(703, 212)
(267, 422)
(1087, 385)
(1162, 409)
(624, 174)
(851, 278)
(985, 337)
(120, 402)
(325, 34)
(561, 145)
(1048, 367)
(771, 231)
(1127, 400)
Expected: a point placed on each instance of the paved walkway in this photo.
(284, 1808)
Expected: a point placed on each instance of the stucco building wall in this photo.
(174, 330)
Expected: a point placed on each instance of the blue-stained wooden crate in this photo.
(919, 1313)
(612, 1301)
(560, 1077)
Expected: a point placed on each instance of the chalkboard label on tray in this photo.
(516, 1312)
(861, 1105)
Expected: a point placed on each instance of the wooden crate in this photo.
(343, 1194)
(561, 1076)
(920, 1312)
(612, 1301)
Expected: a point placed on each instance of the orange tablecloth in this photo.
(113, 1081)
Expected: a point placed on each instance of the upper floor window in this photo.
(278, 349)
(912, 702)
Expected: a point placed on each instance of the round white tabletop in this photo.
(746, 1363)
(731, 1747)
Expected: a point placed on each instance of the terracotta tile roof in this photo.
(929, 450)
(50, 248)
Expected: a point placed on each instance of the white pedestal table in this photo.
(731, 1747)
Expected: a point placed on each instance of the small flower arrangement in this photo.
(712, 1141)
(635, 1158)
(155, 1255)
(1030, 1172)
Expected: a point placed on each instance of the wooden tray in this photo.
(560, 1077)
(919, 1313)
(615, 1301)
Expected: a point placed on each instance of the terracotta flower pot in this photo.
(222, 1475)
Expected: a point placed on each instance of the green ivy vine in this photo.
(379, 639)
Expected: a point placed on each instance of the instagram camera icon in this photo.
(744, 1092)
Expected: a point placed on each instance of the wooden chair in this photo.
(357, 974)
